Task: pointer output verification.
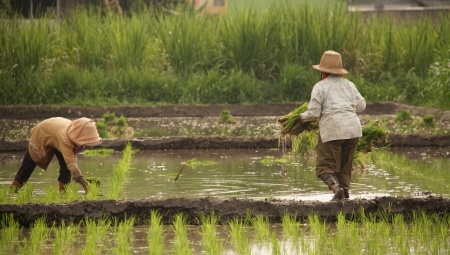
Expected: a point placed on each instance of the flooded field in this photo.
(254, 173)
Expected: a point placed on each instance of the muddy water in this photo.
(236, 173)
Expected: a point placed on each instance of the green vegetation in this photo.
(112, 127)
(359, 233)
(249, 55)
(120, 174)
(403, 116)
(226, 118)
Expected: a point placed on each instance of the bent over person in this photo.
(334, 103)
(63, 138)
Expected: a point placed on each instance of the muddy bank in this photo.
(42, 112)
(227, 209)
(233, 142)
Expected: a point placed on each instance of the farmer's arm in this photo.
(77, 176)
(314, 106)
(360, 101)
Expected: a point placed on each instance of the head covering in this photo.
(83, 131)
(331, 62)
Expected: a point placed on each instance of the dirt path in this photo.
(227, 209)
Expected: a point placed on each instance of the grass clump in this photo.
(226, 118)
(403, 116)
(428, 121)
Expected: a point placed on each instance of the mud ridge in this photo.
(136, 111)
(227, 209)
(231, 142)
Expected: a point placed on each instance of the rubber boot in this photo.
(15, 186)
(333, 184)
(346, 193)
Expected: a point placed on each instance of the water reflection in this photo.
(238, 173)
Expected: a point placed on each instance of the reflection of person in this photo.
(63, 138)
(334, 103)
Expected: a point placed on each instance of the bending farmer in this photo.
(63, 138)
(334, 103)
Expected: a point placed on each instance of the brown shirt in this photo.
(61, 134)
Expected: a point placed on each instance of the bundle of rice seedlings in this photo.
(373, 131)
(290, 125)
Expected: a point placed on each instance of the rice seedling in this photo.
(290, 125)
(428, 121)
(155, 234)
(403, 116)
(98, 152)
(292, 232)
(65, 237)
(25, 194)
(93, 191)
(262, 228)
(9, 233)
(38, 234)
(212, 244)
(96, 230)
(115, 185)
(123, 234)
(52, 195)
(71, 192)
(226, 118)
(318, 230)
(239, 239)
(182, 244)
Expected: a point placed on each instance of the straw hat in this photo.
(331, 62)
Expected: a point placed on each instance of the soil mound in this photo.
(227, 209)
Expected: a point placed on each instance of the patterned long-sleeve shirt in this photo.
(334, 103)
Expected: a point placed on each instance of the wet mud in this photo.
(227, 209)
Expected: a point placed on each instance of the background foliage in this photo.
(249, 55)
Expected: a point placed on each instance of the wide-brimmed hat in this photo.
(331, 62)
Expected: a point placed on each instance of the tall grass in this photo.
(92, 58)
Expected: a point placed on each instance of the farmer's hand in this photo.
(299, 119)
(82, 182)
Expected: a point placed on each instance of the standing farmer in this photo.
(63, 138)
(334, 103)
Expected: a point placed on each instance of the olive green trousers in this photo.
(336, 158)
